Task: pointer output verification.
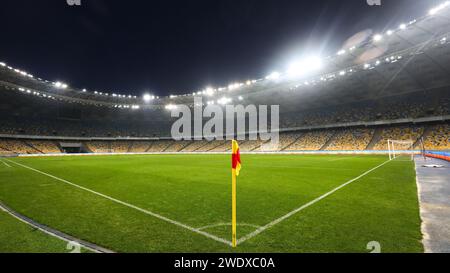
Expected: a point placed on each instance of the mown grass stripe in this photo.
(129, 205)
(286, 216)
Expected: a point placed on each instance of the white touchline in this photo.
(276, 221)
(130, 206)
(45, 231)
(343, 158)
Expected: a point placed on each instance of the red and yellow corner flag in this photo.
(236, 157)
(235, 168)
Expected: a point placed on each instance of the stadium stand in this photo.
(348, 140)
(120, 146)
(99, 146)
(18, 146)
(160, 146)
(311, 141)
(44, 146)
(195, 146)
(438, 138)
(177, 146)
(140, 146)
(399, 133)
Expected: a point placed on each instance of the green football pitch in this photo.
(182, 203)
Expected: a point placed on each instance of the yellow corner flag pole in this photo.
(236, 167)
(233, 209)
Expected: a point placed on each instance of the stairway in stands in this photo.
(293, 142)
(329, 141)
(32, 147)
(426, 132)
(375, 139)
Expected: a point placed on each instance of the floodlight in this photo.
(302, 67)
(148, 97)
(60, 85)
(224, 101)
(233, 86)
(389, 32)
(209, 91)
(341, 52)
(377, 37)
(403, 26)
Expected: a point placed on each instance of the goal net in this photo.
(401, 148)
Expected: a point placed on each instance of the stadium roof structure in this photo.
(412, 57)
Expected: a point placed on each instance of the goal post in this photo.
(398, 148)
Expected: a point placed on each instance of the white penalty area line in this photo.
(195, 230)
(277, 221)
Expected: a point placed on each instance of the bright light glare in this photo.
(224, 101)
(148, 97)
(302, 67)
(273, 76)
(442, 6)
(402, 26)
(171, 107)
(2, 64)
(209, 91)
(390, 32)
(377, 37)
(60, 85)
(233, 86)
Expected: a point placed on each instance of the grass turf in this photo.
(18, 237)
(196, 190)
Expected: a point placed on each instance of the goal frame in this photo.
(394, 153)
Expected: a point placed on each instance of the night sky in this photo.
(174, 47)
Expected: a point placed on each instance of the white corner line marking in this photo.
(218, 239)
(276, 221)
(227, 224)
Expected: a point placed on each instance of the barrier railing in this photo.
(438, 155)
